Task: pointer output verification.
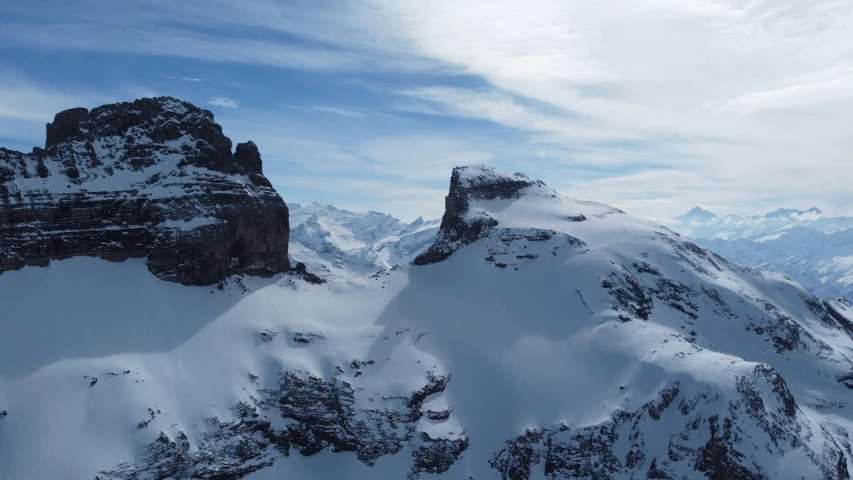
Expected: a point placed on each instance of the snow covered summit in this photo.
(697, 214)
(482, 198)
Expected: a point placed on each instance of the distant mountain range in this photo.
(702, 224)
(806, 245)
(332, 240)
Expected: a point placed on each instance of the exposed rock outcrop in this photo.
(319, 414)
(152, 178)
(704, 432)
(460, 226)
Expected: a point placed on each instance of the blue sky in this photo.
(740, 106)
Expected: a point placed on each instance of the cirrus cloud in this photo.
(224, 102)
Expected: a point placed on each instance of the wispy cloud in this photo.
(649, 105)
(812, 90)
(224, 102)
(418, 157)
(332, 110)
(294, 34)
(402, 173)
(186, 79)
(337, 111)
(713, 89)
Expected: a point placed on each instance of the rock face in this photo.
(718, 437)
(321, 415)
(459, 226)
(152, 178)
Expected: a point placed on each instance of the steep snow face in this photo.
(541, 337)
(339, 242)
(702, 224)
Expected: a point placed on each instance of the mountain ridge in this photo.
(539, 336)
(703, 224)
(152, 178)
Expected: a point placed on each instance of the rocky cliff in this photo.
(152, 178)
(461, 225)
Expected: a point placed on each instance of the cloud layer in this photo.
(224, 102)
(652, 106)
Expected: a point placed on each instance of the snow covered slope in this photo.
(540, 337)
(339, 242)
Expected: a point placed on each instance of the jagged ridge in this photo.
(152, 178)
(459, 225)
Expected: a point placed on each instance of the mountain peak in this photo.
(482, 197)
(153, 178)
(484, 182)
(697, 214)
(117, 118)
(473, 183)
(355, 243)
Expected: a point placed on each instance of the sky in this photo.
(653, 106)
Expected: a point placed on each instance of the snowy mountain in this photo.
(537, 337)
(702, 224)
(697, 215)
(814, 250)
(821, 261)
(154, 178)
(334, 241)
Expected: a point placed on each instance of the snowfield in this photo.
(540, 337)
